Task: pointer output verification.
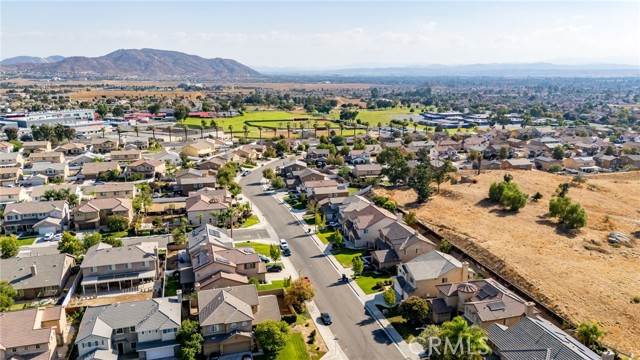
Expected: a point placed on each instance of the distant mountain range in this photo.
(31, 60)
(143, 64)
(516, 70)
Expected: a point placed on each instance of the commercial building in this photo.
(65, 117)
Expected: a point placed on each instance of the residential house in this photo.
(36, 277)
(139, 142)
(92, 170)
(215, 163)
(536, 338)
(631, 145)
(29, 147)
(126, 156)
(23, 335)
(308, 186)
(51, 170)
(208, 234)
(9, 176)
(40, 217)
(248, 153)
(228, 315)
(320, 193)
(47, 156)
(104, 145)
(166, 156)
(10, 195)
(367, 170)
(299, 177)
(317, 156)
(202, 209)
(289, 167)
(115, 190)
(448, 143)
(201, 148)
(584, 164)
(193, 173)
(113, 268)
(6, 147)
(419, 276)
(186, 185)
(358, 157)
(544, 163)
(398, 242)
(13, 159)
(630, 160)
(217, 267)
(148, 167)
(516, 164)
(78, 162)
(93, 214)
(473, 142)
(35, 180)
(361, 225)
(144, 329)
(481, 302)
(37, 192)
(607, 161)
(443, 152)
(72, 149)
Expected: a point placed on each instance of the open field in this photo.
(83, 94)
(555, 267)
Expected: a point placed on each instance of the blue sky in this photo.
(325, 34)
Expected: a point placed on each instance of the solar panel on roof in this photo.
(499, 305)
(490, 290)
(482, 294)
(223, 260)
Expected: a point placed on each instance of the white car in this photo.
(246, 172)
(57, 237)
(48, 236)
(333, 224)
(283, 244)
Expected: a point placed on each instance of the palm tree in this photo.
(203, 122)
(301, 130)
(246, 131)
(379, 128)
(214, 124)
(137, 130)
(201, 131)
(289, 130)
(231, 131)
(415, 126)
(341, 128)
(477, 156)
(458, 331)
(103, 130)
(186, 131)
(260, 130)
(200, 218)
(589, 333)
(327, 125)
(119, 131)
(153, 131)
(170, 128)
(315, 129)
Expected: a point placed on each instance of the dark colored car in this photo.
(286, 252)
(263, 258)
(326, 318)
(274, 268)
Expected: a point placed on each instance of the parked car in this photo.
(283, 244)
(274, 268)
(326, 318)
(263, 258)
(333, 224)
(57, 237)
(246, 172)
(48, 236)
(286, 252)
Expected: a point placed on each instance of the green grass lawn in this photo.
(399, 323)
(375, 116)
(171, 286)
(251, 221)
(275, 284)
(296, 348)
(115, 234)
(368, 282)
(26, 241)
(310, 220)
(260, 248)
(345, 256)
(19, 306)
(326, 235)
(353, 190)
(298, 205)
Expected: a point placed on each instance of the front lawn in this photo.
(399, 323)
(326, 235)
(171, 285)
(26, 241)
(296, 348)
(353, 190)
(260, 248)
(115, 234)
(251, 221)
(275, 284)
(345, 256)
(310, 220)
(368, 282)
(296, 203)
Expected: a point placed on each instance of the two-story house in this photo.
(215, 163)
(299, 177)
(13, 159)
(317, 156)
(148, 167)
(115, 190)
(92, 170)
(24, 335)
(41, 217)
(10, 175)
(29, 147)
(72, 149)
(419, 276)
(51, 170)
(228, 315)
(289, 167)
(77, 162)
(40, 276)
(144, 329)
(167, 156)
(126, 156)
(186, 185)
(140, 142)
(6, 147)
(398, 242)
(367, 170)
(10, 195)
(37, 193)
(217, 267)
(360, 226)
(48, 156)
(204, 208)
(358, 157)
(93, 214)
(103, 146)
(106, 268)
(201, 148)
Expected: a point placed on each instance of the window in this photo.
(245, 323)
(444, 280)
(94, 269)
(214, 328)
(102, 342)
(133, 345)
(112, 266)
(127, 266)
(250, 266)
(146, 263)
(233, 325)
(366, 231)
(13, 350)
(96, 343)
(132, 329)
(120, 331)
(37, 346)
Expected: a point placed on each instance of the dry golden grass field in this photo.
(578, 275)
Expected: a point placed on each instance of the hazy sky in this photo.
(322, 34)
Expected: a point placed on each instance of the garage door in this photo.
(236, 348)
(46, 230)
(160, 353)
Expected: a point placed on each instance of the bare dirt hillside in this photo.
(578, 275)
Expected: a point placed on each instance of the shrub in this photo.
(445, 247)
(555, 168)
(513, 198)
(537, 196)
(312, 337)
(570, 214)
(290, 319)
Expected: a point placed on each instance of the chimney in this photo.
(179, 295)
(465, 271)
(399, 216)
(34, 270)
(529, 309)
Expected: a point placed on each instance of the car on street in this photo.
(274, 268)
(48, 237)
(263, 258)
(286, 252)
(326, 318)
(283, 244)
(246, 172)
(57, 237)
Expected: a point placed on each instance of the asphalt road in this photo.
(359, 335)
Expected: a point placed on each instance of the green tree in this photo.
(590, 334)
(571, 215)
(9, 246)
(117, 223)
(90, 239)
(441, 174)
(179, 236)
(504, 152)
(513, 198)
(190, 340)
(558, 152)
(71, 245)
(563, 189)
(475, 155)
(118, 111)
(555, 168)
(459, 331)
(102, 110)
(357, 265)
(415, 310)
(180, 112)
(154, 108)
(277, 182)
(410, 218)
(389, 296)
(7, 293)
(337, 239)
(11, 132)
(298, 293)
(275, 253)
(420, 182)
(268, 173)
(272, 335)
